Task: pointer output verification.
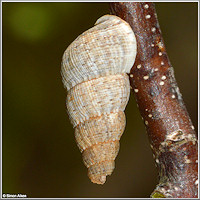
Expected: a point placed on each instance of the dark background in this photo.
(40, 156)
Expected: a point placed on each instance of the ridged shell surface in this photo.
(102, 95)
(94, 71)
(106, 49)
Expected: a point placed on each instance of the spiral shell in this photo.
(94, 71)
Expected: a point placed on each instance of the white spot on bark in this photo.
(162, 83)
(153, 29)
(196, 182)
(156, 69)
(131, 75)
(146, 6)
(176, 188)
(152, 45)
(173, 96)
(160, 45)
(187, 161)
(148, 16)
(150, 115)
(192, 127)
(136, 90)
(145, 77)
(160, 53)
(146, 122)
(163, 77)
(139, 66)
(162, 63)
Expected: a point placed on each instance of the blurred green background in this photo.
(40, 156)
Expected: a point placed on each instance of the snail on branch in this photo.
(93, 71)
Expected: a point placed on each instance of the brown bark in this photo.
(169, 128)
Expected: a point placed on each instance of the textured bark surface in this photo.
(169, 128)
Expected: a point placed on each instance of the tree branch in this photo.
(169, 128)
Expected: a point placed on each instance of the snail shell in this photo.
(94, 71)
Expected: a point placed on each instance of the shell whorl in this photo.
(94, 71)
(106, 49)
